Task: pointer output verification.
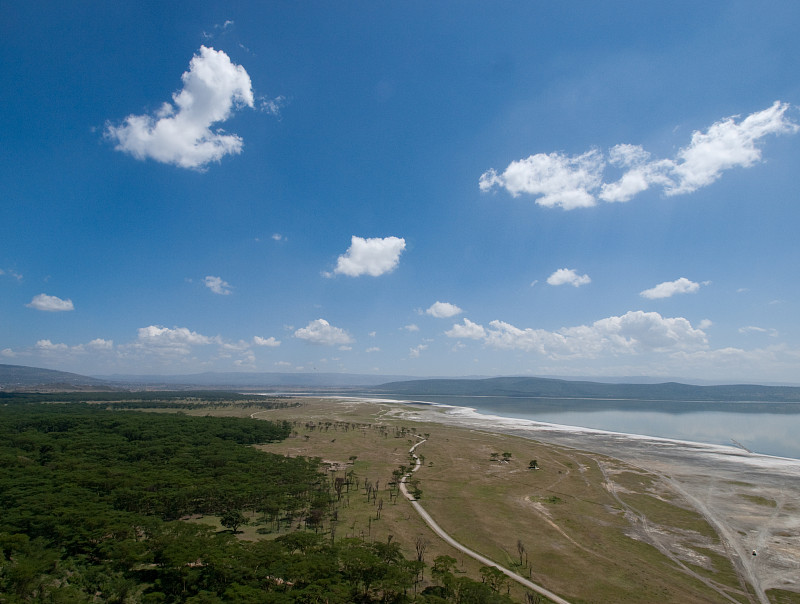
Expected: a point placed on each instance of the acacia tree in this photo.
(442, 573)
(493, 577)
(233, 519)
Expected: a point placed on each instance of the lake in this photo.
(767, 428)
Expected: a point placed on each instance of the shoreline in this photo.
(471, 417)
(751, 499)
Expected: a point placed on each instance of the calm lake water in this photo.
(771, 429)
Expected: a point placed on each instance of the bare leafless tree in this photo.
(421, 544)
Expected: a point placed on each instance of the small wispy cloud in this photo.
(670, 288)
(217, 285)
(11, 273)
(416, 350)
(273, 106)
(754, 329)
(219, 29)
(270, 342)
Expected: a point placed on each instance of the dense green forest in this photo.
(97, 501)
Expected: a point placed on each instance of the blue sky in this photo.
(450, 188)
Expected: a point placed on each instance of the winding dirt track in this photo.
(472, 554)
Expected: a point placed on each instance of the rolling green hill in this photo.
(554, 388)
(20, 377)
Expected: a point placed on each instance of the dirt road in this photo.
(472, 554)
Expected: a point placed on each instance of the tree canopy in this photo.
(96, 501)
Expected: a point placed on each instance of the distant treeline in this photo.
(151, 399)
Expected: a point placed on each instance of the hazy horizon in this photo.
(590, 191)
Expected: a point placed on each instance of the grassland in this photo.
(584, 525)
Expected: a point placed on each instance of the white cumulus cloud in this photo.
(634, 332)
(374, 256)
(569, 276)
(322, 332)
(577, 181)
(50, 303)
(670, 288)
(726, 145)
(270, 341)
(165, 340)
(640, 173)
(47, 346)
(100, 344)
(468, 329)
(443, 310)
(217, 285)
(181, 133)
(558, 179)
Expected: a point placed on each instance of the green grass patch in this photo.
(666, 514)
(759, 500)
(781, 596)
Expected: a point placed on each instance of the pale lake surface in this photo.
(766, 428)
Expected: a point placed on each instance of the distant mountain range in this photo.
(249, 380)
(20, 378)
(556, 388)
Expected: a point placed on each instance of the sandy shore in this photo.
(752, 500)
